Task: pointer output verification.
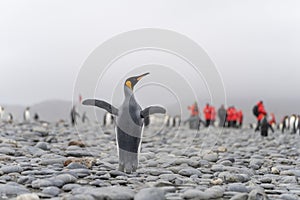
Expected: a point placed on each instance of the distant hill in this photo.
(52, 110)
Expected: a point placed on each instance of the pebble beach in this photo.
(57, 161)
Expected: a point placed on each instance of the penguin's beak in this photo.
(141, 76)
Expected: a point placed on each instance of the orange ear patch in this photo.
(128, 84)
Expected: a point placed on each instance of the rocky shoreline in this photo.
(61, 162)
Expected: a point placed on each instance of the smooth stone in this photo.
(189, 172)
(231, 178)
(78, 153)
(28, 197)
(79, 172)
(115, 173)
(25, 180)
(268, 186)
(150, 194)
(217, 168)
(266, 180)
(288, 179)
(211, 193)
(275, 170)
(7, 151)
(241, 196)
(237, 187)
(42, 145)
(291, 173)
(216, 181)
(211, 157)
(75, 165)
(81, 197)
(226, 163)
(40, 183)
(34, 151)
(257, 194)
(51, 191)
(153, 171)
(12, 189)
(101, 183)
(11, 169)
(289, 197)
(51, 159)
(167, 177)
(66, 178)
(113, 192)
(71, 186)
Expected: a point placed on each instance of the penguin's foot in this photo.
(128, 161)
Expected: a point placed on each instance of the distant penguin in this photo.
(171, 121)
(285, 123)
(10, 118)
(177, 121)
(265, 126)
(74, 115)
(26, 114)
(129, 124)
(84, 117)
(292, 121)
(167, 121)
(36, 117)
(1, 113)
(108, 119)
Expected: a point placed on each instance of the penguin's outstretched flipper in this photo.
(152, 110)
(101, 104)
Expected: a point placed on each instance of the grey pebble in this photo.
(51, 191)
(12, 189)
(150, 194)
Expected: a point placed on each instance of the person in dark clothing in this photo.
(265, 127)
(207, 114)
(261, 113)
(74, 115)
(222, 116)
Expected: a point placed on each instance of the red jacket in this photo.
(229, 114)
(194, 110)
(213, 113)
(234, 114)
(207, 112)
(273, 120)
(261, 111)
(240, 116)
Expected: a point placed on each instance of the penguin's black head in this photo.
(132, 81)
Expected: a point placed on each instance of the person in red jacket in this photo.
(272, 120)
(261, 114)
(213, 115)
(194, 109)
(234, 117)
(240, 118)
(207, 114)
(228, 116)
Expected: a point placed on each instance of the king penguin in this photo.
(129, 124)
(26, 114)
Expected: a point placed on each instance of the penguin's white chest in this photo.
(27, 115)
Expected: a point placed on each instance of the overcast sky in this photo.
(254, 44)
